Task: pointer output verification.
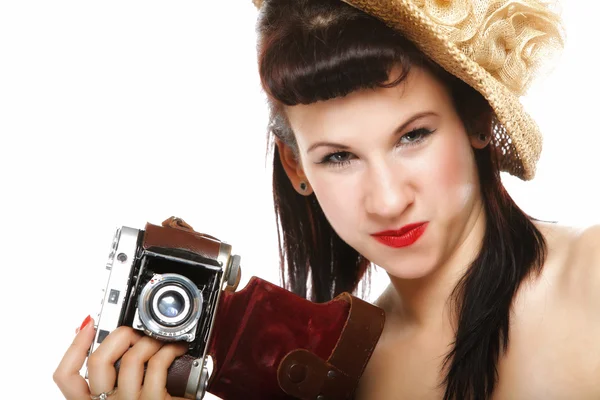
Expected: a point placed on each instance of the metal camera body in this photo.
(168, 293)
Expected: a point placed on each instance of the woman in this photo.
(381, 156)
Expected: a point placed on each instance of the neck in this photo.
(424, 302)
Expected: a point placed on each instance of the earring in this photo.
(303, 186)
(483, 137)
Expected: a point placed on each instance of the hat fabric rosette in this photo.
(496, 46)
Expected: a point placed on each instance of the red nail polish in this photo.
(83, 324)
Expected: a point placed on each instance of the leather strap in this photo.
(307, 377)
(177, 374)
(178, 223)
(176, 234)
(359, 337)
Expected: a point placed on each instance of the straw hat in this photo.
(495, 46)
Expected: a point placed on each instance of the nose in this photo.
(388, 192)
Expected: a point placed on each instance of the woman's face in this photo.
(379, 160)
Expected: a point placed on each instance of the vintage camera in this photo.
(261, 342)
(166, 281)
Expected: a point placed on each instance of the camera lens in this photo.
(171, 304)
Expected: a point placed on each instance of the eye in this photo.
(337, 159)
(341, 156)
(344, 158)
(415, 136)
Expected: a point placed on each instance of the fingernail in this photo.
(83, 324)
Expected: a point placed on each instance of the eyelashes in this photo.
(340, 159)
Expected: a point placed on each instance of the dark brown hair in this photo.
(312, 50)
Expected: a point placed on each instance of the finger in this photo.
(67, 378)
(131, 371)
(102, 374)
(155, 381)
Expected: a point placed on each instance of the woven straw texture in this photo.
(495, 46)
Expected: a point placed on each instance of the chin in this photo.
(409, 268)
(409, 273)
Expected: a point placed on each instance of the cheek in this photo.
(457, 181)
(449, 174)
(338, 201)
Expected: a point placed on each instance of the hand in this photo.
(134, 349)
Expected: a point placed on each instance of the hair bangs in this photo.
(320, 60)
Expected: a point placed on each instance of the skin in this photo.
(134, 349)
(385, 184)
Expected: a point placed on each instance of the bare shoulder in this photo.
(574, 257)
(570, 280)
(568, 289)
(556, 321)
(571, 244)
(586, 248)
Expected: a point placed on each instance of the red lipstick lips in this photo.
(402, 237)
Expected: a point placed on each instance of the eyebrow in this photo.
(398, 129)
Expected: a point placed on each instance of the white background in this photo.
(119, 112)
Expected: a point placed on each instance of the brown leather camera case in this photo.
(268, 343)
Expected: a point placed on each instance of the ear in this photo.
(480, 140)
(482, 132)
(293, 168)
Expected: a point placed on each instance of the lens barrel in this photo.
(170, 306)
